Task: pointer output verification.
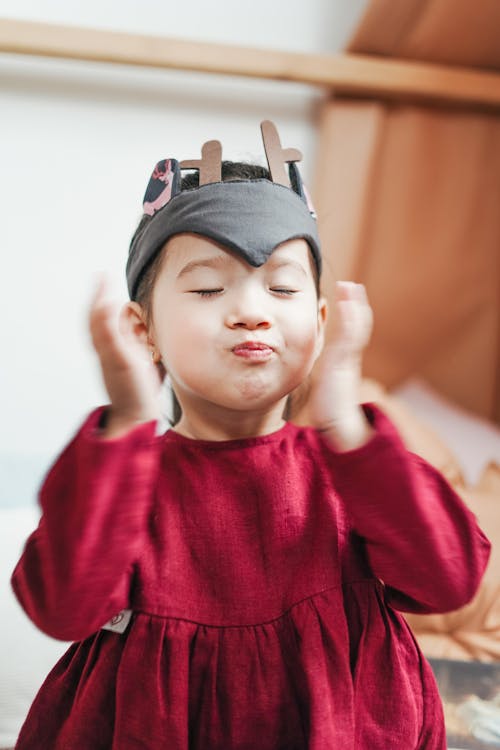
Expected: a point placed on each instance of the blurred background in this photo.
(406, 183)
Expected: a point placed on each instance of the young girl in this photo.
(235, 583)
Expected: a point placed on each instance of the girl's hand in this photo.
(131, 379)
(334, 401)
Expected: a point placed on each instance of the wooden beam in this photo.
(346, 74)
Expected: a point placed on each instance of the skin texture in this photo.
(235, 340)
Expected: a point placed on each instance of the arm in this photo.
(76, 568)
(421, 540)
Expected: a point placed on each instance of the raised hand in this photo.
(132, 380)
(334, 404)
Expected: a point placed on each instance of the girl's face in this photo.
(230, 335)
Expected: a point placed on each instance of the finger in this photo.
(101, 309)
(354, 321)
(350, 317)
(353, 292)
(360, 292)
(344, 290)
(101, 304)
(103, 324)
(106, 339)
(101, 290)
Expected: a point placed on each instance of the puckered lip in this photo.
(252, 346)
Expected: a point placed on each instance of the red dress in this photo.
(264, 576)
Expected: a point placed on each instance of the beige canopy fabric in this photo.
(473, 631)
(455, 32)
(408, 201)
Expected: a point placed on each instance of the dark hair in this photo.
(231, 170)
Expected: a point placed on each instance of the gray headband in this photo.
(250, 217)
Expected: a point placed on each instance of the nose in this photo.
(247, 311)
(249, 321)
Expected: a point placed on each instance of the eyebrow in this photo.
(220, 261)
(275, 264)
(217, 262)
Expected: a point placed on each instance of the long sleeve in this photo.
(76, 568)
(420, 538)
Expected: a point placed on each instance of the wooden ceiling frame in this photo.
(344, 74)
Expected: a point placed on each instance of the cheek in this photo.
(182, 339)
(176, 343)
(302, 331)
(309, 348)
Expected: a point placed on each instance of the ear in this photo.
(133, 321)
(322, 318)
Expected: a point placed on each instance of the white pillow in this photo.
(474, 441)
(26, 654)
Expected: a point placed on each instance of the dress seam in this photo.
(377, 584)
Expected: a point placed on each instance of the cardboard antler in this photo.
(277, 156)
(210, 164)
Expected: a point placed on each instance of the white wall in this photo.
(78, 143)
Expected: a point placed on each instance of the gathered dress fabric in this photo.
(265, 576)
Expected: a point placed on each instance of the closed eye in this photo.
(284, 291)
(206, 292)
